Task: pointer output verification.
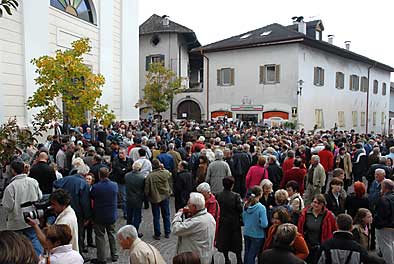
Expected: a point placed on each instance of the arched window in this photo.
(82, 9)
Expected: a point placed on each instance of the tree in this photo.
(7, 5)
(160, 88)
(65, 76)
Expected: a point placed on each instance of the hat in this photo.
(91, 148)
(201, 139)
(79, 142)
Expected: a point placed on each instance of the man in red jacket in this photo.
(296, 173)
(289, 161)
(327, 161)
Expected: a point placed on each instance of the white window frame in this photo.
(222, 74)
(320, 76)
(354, 83)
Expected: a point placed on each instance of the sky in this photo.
(367, 24)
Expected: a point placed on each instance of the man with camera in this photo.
(60, 203)
(21, 189)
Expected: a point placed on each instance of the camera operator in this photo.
(21, 189)
(60, 202)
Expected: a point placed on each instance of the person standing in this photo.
(61, 160)
(21, 189)
(121, 165)
(105, 199)
(229, 236)
(135, 186)
(43, 173)
(360, 163)
(183, 185)
(384, 221)
(316, 178)
(195, 228)
(158, 190)
(255, 220)
(296, 173)
(217, 170)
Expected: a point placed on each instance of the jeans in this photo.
(81, 234)
(385, 241)
(164, 208)
(252, 248)
(122, 194)
(99, 230)
(134, 216)
(32, 236)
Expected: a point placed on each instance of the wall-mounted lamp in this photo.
(299, 89)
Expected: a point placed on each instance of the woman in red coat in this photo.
(256, 174)
(316, 224)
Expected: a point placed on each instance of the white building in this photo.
(41, 27)
(277, 73)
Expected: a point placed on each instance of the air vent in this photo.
(246, 36)
(265, 33)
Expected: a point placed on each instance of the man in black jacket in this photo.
(43, 173)
(242, 163)
(275, 172)
(121, 165)
(183, 185)
(384, 221)
(342, 249)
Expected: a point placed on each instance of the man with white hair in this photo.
(217, 171)
(140, 252)
(195, 228)
(316, 178)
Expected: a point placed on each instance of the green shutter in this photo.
(219, 81)
(277, 73)
(315, 75)
(321, 76)
(162, 57)
(147, 62)
(350, 83)
(263, 76)
(232, 76)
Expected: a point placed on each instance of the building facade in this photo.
(41, 27)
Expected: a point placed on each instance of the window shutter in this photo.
(162, 57)
(351, 83)
(337, 80)
(147, 62)
(218, 77)
(263, 74)
(321, 76)
(232, 76)
(277, 73)
(315, 76)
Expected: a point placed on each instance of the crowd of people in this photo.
(265, 194)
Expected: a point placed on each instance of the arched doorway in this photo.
(189, 110)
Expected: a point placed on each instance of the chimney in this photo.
(302, 27)
(347, 44)
(331, 39)
(165, 21)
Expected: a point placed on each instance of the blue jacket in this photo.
(255, 220)
(78, 189)
(167, 160)
(105, 199)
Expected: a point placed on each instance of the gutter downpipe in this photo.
(367, 108)
(202, 53)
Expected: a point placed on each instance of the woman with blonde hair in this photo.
(255, 220)
(362, 228)
(268, 198)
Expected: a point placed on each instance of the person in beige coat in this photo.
(140, 252)
(315, 179)
(344, 161)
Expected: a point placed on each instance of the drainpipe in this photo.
(202, 53)
(367, 108)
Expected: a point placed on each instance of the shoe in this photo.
(167, 235)
(140, 235)
(114, 258)
(92, 245)
(156, 237)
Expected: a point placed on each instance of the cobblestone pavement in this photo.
(166, 246)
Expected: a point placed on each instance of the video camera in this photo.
(40, 209)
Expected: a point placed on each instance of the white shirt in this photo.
(69, 218)
(64, 255)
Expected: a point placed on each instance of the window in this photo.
(270, 74)
(354, 82)
(82, 9)
(354, 118)
(362, 119)
(374, 118)
(340, 80)
(364, 84)
(319, 118)
(225, 77)
(375, 86)
(384, 91)
(318, 76)
(341, 119)
(153, 59)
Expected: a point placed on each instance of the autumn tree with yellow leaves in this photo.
(65, 76)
